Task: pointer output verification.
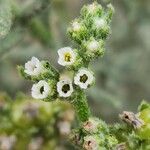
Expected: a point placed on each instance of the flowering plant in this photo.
(89, 32)
(29, 124)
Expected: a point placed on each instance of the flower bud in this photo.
(77, 31)
(91, 126)
(100, 27)
(93, 48)
(91, 10)
(90, 143)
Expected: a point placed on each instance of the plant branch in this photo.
(81, 106)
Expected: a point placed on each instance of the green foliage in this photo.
(134, 138)
(94, 134)
(26, 123)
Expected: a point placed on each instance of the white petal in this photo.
(62, 52)
(33, 67)
(34, 60)
(90, 78)
(60, 85)
(36, 93)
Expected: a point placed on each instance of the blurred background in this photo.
(39, 29)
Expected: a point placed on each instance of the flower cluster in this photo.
(51, 87)
(90, 31)
(94, 135)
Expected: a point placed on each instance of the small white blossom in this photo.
(65, 88)
(84, 78)
(33, 67)
(67, 56)
(76, 26)
(64, 127)
(93, 46)
(99, 23)
(41, 90)
(90, 143)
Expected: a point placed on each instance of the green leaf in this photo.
(143, 105)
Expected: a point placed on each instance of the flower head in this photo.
(65, 88)
(33, 67)
(90, 143)
(67, 56)
(91, 7)
(76, 26)
(84, 78)
(41, 90)
(94, 8)
(91, 125)
(93, 46)
(100, 23)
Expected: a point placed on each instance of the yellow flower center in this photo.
(68, 57)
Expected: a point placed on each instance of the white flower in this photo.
(33, 67)
(41, 90)
(93, 46)
(84, 78)
(65, 88)
(90, 143)
(99, 23)
(64, 127)
(67, 56)
(76, 26)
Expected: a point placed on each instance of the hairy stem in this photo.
(81, 106)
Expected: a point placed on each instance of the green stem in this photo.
(81, 106)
